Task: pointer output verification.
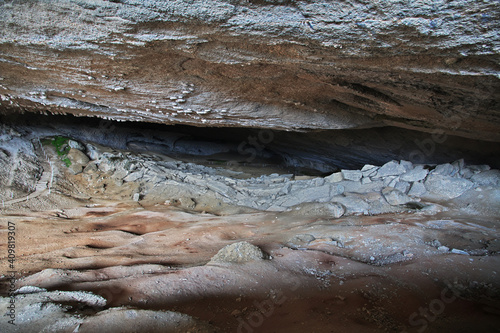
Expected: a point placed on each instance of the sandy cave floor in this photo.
(375, 277)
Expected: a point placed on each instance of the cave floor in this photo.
(360, 273)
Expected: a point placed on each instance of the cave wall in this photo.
(284, 65)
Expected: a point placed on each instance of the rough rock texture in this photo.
(268, 64)
(63, 311)
(238, 253)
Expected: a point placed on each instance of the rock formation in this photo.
(249, 166)
(293, 65)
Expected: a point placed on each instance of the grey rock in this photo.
(390, 181)
(91, 168)
(221, 188)
(335, 177)
(443, 248)
(334, 209)
(445, 170)
(395, 197)
(300, 241)
(391, 168)
(402, 186)
(487, 178)
(479, 168)
(447, 187)
(457, 251)
(135, 176)
(240, 252)
(466, 173)
(436, 243)
(78, 160)
(354, 175)
(76, 145)
(414, 175)
(353, 204)
(313, 194)
(136, 197)
(406, 164)
(417, 189)
(369, 170)
(366, 180)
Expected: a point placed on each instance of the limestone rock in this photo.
(335, 177)
(238, 253)
(446, 170)
(487, 178)
(447, 187)
(300, 241)
(391, 168)
(78, 160)
(414, 175)
(354, 175)
(395, 197)
(417, 189)
(334, 209)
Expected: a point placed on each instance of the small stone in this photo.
(136, 197)
(443, 248)
(436, 243)
(323, 241)
(354, 175)
(300, 241)
(238, 253)
(457, 251)
(76, 145)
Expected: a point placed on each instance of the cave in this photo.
(249, 166)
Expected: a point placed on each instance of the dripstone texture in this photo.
(294, 65)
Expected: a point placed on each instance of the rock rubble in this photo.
(393, 187)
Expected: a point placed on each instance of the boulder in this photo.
(447, 187)
(238, 253)
(78, 160)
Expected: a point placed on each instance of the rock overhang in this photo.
(288, 65)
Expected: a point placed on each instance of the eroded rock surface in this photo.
(268, 64)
